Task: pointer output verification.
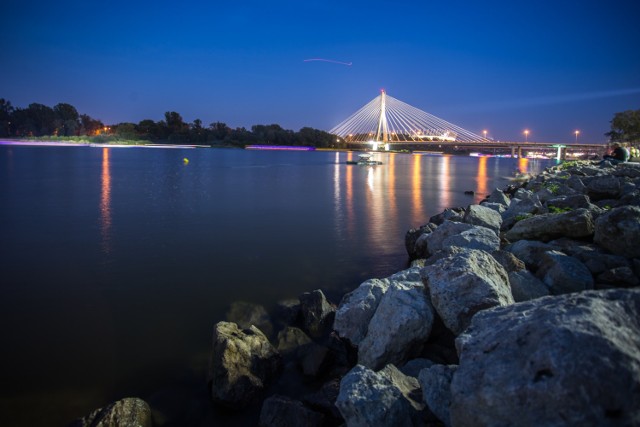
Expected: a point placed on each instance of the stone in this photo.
(130, 411)
(570, 202)
(509, 261)
(357, 308)
(412, 237)
(281, 411)
(245, 314)
(619, 277)
(545, 227)
(618, 231)
(563, 360)
(464, 284)
(243, 363)
(317, 313)
(519, 209)
(381, 399)
(290, 339)
(413, 367)
(477, 237)
(529, 251)
(436, 390)
(287, 312)
(434, 240)
(401, 324)
(525, 286)
(498, 207)
(449, 214)
(498, 196)
(603, 187)
(324, 400)
(564, 274)
(313, 359)
(484, 216)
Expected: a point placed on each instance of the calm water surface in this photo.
(115, 263)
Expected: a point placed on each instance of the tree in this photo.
(6, 111)
(89, 126)
(35, 120)
(625, 127)
(67, 119)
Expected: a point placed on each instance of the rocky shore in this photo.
(521, 310)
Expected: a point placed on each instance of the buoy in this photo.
(185, 161)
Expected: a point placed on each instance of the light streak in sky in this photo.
(329, 60)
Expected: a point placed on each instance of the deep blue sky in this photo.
(549, 66)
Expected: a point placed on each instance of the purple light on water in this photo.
(279, 147)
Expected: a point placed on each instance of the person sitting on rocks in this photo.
(619, 154)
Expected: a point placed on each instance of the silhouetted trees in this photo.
(625, 126)
(63, 120)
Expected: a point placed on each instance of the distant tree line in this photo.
(63, 120)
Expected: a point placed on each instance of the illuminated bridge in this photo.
(387, 120)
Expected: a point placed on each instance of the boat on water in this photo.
(364, 160)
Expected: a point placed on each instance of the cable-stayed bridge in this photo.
(386, 119)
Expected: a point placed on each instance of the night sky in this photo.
(548, 66)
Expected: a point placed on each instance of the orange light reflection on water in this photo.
(482, 176)
(444, 178)
(523, 164)
(105, 203)
(418, 214)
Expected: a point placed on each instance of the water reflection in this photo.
(444, 179)
(417, 190)
(523, 165)
(481, 190)
(105, 203)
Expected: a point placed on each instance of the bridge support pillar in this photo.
(519, 152)
(513, 151)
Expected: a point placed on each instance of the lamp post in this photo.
(577, 132)
(485, 134)
(526, 135)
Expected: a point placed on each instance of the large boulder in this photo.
(357, 308)
(529, 251)
(566, 360)
(477, 237)
(563, 274)
(436, 390)
(498, 196)
(603, 187)
(412, 237)
(465, 283)
(399, 327)
(484, 216)
(281, 411)
(130, 411)
(317, 313)
(525, 286)
(243, 362)
(618, 231)
(435, 239)
(545, 227)
(385, 398)
(245, 314)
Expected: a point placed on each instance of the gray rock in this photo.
(577, 223)
(290, 339)
(413, 367)
(399, 327)
(130, 411)
(435, 239)
(313, 359)
(484, 216)
(281, 411)
(245, 314)
(498, 196)
(464, 284)
(576, 184)
(567, 360)
(564, 274)
(618, 231)
(619, 277)
(287, 311)
(519, 209)
(477, 237)
(412, 237)
(385, 398)
(498, 207)
(357, 308)
(570, 202)
(436, 390)
(449, 214)
(529, 251)
(317, 313)
(243, 362)
(525, 286)
(603, 187)
(509, 261)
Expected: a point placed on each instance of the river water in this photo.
(115, 263)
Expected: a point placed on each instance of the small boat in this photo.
(364, 160)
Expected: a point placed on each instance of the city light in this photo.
(485, 134)
(577, 132)
(526, 135)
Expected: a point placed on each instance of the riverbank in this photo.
(512, 289)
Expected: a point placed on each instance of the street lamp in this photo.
(526, 135)
(577, 132)
(485, 134)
